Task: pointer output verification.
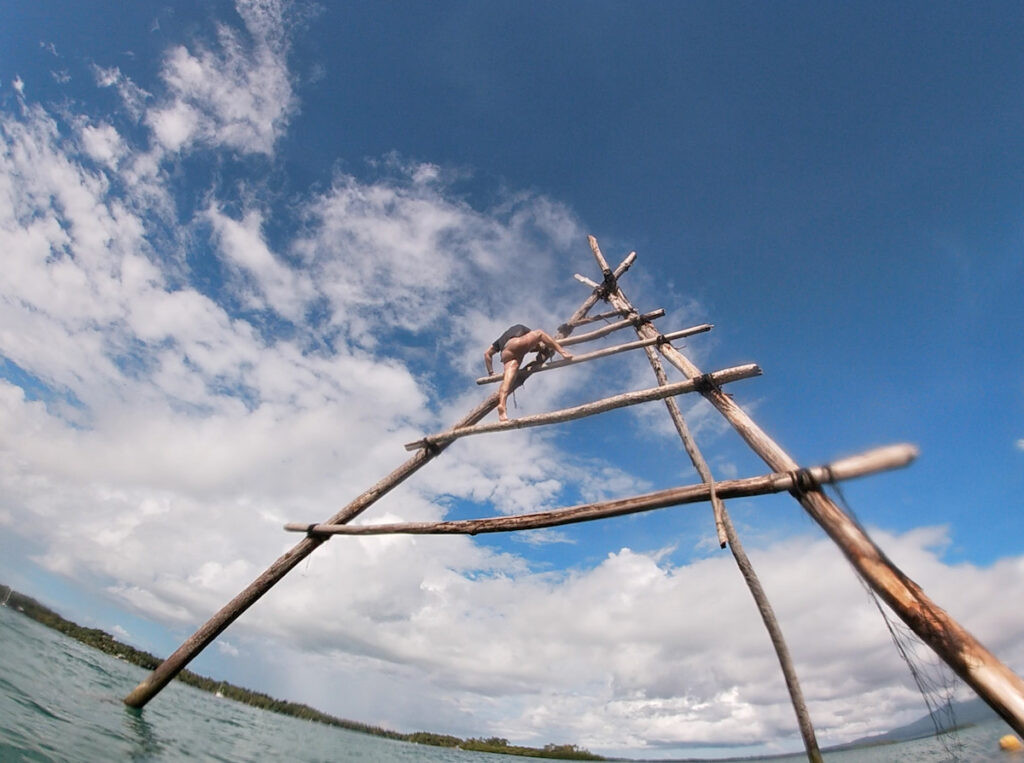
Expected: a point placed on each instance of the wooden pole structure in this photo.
(879, 459)
(995, 683)
(606, 351)
(611, 328)
(727, 534)
(587, 409)
(183, 655)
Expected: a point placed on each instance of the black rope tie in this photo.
(639, 321)
(608, 285)
(660, 340)
(309, 530)
(803, 481)
(705, 383)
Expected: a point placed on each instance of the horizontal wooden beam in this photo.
(606, 351)
(716, 379)
(611, 328)
(879, 459)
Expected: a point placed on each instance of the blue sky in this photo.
(250, 251)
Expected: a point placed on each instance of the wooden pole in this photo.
(595, 318)
(995, 683)
(612, 327)
(879, 459)
(690, 445)
(606, 351)
(587, 409)
(231, 611)
(771, 624)
(727, 534)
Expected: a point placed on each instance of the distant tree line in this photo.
(103, 641)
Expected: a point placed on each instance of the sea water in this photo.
(60, 700)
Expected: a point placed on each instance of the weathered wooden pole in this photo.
(771, 624)
(689, 444)
(879, 459)
(727, 534)
(610, 328)
(231, 611)
(586, 409)
(995, 683)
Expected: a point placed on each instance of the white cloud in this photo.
(225, 647)
(634, 655)
(132, 96)
(1020, 444)
(175, 125)
(286, 290)
(103, 144)
(237, 95)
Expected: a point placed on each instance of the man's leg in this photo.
(550, 341)
(511, 367)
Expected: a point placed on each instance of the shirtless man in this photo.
(513, 346)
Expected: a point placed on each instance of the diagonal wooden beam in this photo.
(613, 327)
(587, 409)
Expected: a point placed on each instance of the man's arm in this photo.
(488, 354)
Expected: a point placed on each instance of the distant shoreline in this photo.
(967, 713)
(104, 642)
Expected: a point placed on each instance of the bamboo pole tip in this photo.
(885, 457)
(139, 696)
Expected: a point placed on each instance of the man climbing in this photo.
(513, 346)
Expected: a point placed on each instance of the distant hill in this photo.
(968, 713)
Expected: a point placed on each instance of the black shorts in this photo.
(511, 333)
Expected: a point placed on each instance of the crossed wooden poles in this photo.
(994, 682)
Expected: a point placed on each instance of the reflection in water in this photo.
(140, 734)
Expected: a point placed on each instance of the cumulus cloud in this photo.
(423, 252)
(633, 655)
